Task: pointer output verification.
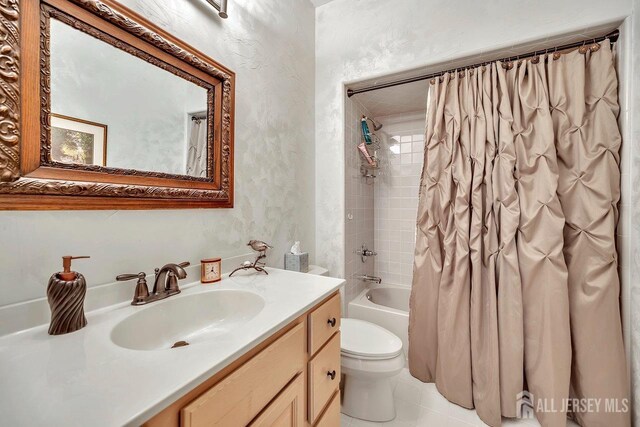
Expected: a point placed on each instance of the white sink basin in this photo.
(191, 318)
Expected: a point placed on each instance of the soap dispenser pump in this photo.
(66, 292)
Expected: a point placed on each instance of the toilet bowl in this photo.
(369, 356)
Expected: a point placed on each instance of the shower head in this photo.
(376, 126)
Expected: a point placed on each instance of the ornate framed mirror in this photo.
(101, 109)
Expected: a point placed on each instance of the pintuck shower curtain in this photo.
(197, 149)
(515, 298)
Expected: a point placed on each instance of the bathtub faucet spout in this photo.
(367, 278)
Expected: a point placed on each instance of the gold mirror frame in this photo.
(30, 180)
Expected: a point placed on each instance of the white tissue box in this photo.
(297, 262)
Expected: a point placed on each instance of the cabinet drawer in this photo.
(238, 398)
(324, 376)
(331, 416)
(323, 322)
(286, 410)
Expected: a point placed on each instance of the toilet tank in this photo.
(320, 271)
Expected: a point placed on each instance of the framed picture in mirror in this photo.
(78, 141)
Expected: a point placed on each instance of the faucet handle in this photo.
(124, 277)
(141, 293)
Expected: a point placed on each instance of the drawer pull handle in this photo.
(332, 322)
(332, 374)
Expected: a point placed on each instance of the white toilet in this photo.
(370, 356)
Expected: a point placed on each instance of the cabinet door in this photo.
(239, 397)
(287, 409)
(331, 416)
(324, 377)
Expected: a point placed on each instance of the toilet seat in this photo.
(367, 341)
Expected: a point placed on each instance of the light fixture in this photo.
(220, 6)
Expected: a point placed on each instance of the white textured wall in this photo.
(356, 40)
(270, 45)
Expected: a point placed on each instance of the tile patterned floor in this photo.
(420, 405)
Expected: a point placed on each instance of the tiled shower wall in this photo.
(396, 196)
(358, 202)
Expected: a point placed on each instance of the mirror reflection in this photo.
(110, 108)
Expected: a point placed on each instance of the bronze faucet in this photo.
(164, 285)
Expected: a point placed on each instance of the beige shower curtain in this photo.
(515, 281)
(197, 149)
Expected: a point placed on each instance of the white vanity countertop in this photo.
(83, 378)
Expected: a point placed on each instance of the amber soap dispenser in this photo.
(66, 292)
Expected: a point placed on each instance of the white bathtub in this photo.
(387, 306)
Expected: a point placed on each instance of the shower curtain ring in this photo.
(583, 49)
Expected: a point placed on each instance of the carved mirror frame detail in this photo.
(9, 90)
(83, 194)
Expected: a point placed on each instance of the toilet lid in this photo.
(368, 340)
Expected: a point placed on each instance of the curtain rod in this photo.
(613, 37)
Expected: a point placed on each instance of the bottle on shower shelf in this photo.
(365, 130)
(363, 149)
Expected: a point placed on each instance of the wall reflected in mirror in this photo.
(113, 109)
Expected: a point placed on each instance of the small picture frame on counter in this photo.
(211, 270)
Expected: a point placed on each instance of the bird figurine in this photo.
(259, 246)
(257, 265)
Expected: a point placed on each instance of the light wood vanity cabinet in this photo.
(331, 416)
(287, 409)
(289, 380)
(324, 374)
(236, 399)
(324, 321)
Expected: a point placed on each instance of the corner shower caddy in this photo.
(370, 140)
